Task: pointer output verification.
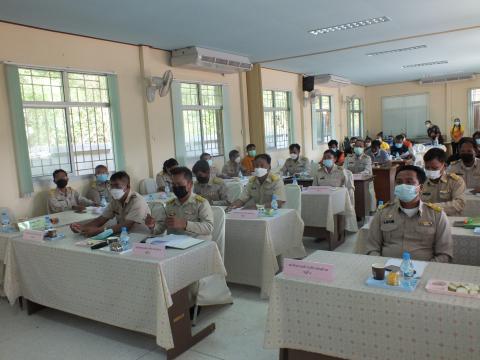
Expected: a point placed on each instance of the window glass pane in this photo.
(91, 138)
(47, 140)
(356, 104)
(212, 132)
(87, 88)
(40, 85)
(267, 99)
(269, 129)
(475, 94)
(193, 133)
(211, 95)
(325, 102)
(282, 131)
(189, 94)
(281, 99)
(326, 126)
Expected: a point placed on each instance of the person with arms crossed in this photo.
(188, 214)
(296, 164)
(409, 224)
(212, 189)
(444, 190)
(232, 168)
(64, 197)
(262, 186)
(127, 206)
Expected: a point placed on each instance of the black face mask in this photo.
(180, 191)
(467, 158)
(62, 183)
(202, 180)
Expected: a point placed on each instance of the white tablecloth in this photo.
(122, 290)
(350, 320)
(466, 245)
(252, 247)
(318, 208)
(472, 205)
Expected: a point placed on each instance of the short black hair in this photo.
(330, 152)
(467, 140)
(265, 157)
(428, 121)
(333, 142)
(420, 173)
(353, 138)
(476, 134)
(201, 165)
(250, 146)
(233, 154)
(101, 166)
(375, 143)
(399, 137)
(182, 170)
(169, 163)
(435, 153)
(205, 154)
(361, 140)
(294, 146)
(380, 134)
(120, 175)
(368, 138)
(58, 171)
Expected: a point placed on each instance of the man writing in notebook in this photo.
(188, 214)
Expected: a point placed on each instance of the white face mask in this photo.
(210, 162)
(410, 212)
(117, 194)
(293, 156)
(433, 174)
(237, 160)
(260, 172)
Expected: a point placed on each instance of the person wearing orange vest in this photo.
(457, 134)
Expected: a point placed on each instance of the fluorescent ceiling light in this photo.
(440, 62)
(394, 51)
(351, 25)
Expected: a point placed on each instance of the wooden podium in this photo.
(384, 182)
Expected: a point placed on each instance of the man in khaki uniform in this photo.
(330, 174)
(408, 224)
(445, 191)
(296, 164)
(128, 207)
(212, 189)
(468, 167)
(188, 213)
(262, 186)
(358, 162)
(65, 198)
(99, 188)
(232, 167)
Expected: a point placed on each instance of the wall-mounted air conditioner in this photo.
(446, 78)
(331, 80)
(210, 60)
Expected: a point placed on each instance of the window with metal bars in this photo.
(276, 114)
(67, 121)
(474, 110)
(202, 115)
(322, 119)
(355, 117)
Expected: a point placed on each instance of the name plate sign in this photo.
(149, 250)
(33, 235)
(320, 189)
(243, 214)
(308, 270)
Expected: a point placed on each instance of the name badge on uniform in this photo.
(425, 223)
(426, 193)
(389, 219)
(444, 191)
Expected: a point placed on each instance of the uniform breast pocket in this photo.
(445, 195)
(388, 228)
(425, 231)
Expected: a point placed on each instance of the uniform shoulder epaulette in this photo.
(434, 207)
(275, 177)
(454, 176)
(170, 202)
(252, 179)
(52, 191)
(381, 207)
(199, 198)
(217, 180)
(454, 162)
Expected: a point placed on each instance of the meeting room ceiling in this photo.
(276, 32)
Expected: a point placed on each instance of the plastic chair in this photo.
(314, 166)
(148, 186)
(213, 289)
(293, 194)
(235, 188)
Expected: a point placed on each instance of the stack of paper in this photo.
(173, 241)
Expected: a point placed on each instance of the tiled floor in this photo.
(53, 335)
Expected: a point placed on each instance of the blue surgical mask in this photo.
(102, 178)
(328, 163)
(398, 146)
(477, 141)
(358, 151)
(406, 193)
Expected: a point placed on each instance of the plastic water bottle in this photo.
(294, 180)
(380, 204)
(167, 189)
(103, 201)
(274, 203)
(407, 269)
(5, 222)
(48, 223)
(124, 239)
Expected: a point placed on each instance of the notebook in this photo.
(173, 241)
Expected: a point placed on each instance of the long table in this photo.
(124, 290)
(346, 319)
(466, 244)
(472, 205)
(253, 245)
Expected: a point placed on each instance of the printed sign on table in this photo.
(33, 235)
(149, 250)
(243, 214)
(308, 270)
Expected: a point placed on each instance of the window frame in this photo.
(66, 105)
(351, 111)
(273, 109)
(316, 117)
(470, 105)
